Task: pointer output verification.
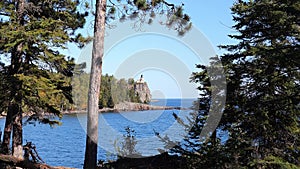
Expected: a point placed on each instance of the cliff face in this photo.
(142, 90)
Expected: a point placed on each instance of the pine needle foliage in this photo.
(38, 33)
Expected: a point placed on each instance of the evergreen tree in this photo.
(262, 113)
(202, 147)
(261, 116)
(32, 34)
(105, 99)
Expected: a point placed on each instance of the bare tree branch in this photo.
(172, 5)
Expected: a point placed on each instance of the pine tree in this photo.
(202, 147)
(32, 34)
(262, 111)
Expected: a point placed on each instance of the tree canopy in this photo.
(32, 36)
(46, 28)
(263, 78)
(262, 111)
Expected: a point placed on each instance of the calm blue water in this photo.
(64, 145)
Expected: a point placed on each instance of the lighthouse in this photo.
(141, 80)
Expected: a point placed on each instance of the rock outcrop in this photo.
(142, 90)
(129, 106)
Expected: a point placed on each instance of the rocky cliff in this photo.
(142, 91)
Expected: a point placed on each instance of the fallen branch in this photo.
(14, 161)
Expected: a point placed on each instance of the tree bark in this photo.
(14, 114)
(17, 147)
(7, 132)
(90, 160)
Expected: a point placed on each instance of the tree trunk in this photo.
(90, 160)
(17, 147)
(14, 114)
(7, 132)
(13, 120)
(14, 111)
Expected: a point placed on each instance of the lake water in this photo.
(65, 145)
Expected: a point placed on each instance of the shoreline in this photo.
(120, 107)
(128, 106)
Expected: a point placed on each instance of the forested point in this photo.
(112, 92)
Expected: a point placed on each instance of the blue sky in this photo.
(165, 60)
(213, 18)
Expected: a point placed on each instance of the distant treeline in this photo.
(112, 91)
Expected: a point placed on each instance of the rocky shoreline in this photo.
(120, 107)
(129, 106)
